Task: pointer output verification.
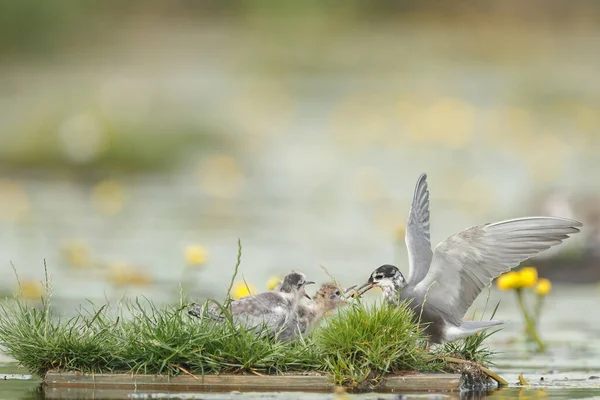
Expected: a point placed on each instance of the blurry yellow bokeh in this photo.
(14, 202)
(400, 233)
(77, 254)
(220, 176)
(543, 287)
(124, 274)
(273, 282)
(446, 121)
(358, 121)
(31, 290)
(263, 107)
(196, 255)
(369, 185)
(242, 289)
(386, 215)
(108, 197)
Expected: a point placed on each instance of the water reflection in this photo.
(504, 393)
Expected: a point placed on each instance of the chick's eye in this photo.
(337, 293)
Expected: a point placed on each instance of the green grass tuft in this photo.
(357, 346)
(364, 342)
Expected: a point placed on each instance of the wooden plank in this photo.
(186, 382)
(121, 394)
(54, 381)
(423, 382)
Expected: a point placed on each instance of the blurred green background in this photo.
(140, 139)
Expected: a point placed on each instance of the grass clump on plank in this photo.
(357, 346)
(141, 338)
(362, 343)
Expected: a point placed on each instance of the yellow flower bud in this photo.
(196, 255)
(240, 290)
(273, 282)
(529, 276)
(543, 287)
(510, 280)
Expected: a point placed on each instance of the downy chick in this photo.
(274, 309)
(310, 313)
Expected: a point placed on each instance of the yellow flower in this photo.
(240, 290)
(273, 282)
(196, 255)
(529, 276)
(510, 280)
(543, 287)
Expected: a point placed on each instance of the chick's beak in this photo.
(304, 291)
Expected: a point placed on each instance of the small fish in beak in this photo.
(364, 288)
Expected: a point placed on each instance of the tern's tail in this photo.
(472, 327)
(467, 328)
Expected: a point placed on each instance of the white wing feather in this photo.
(418, 242)
(465, 263)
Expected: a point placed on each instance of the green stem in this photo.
(538, 308)
(530, 323)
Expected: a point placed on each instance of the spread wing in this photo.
(269, 308)
(465, 263)
(417, 237)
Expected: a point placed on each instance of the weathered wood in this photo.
(423, 382)
(186, 382)
(55, 381)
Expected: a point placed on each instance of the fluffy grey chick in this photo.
(308, 315)
(272, 309)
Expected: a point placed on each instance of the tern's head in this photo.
(294, 282)
(329, 296)
(388, 277)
